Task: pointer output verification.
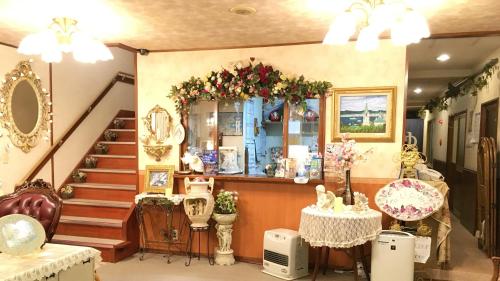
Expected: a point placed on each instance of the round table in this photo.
(344, 230)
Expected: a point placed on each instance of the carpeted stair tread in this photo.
(88, 241)
(98, 203)
(129, 187)
(113, 171)
(118, 142)
(92, 221)
(113, 156)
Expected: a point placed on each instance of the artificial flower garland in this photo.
(245, 82)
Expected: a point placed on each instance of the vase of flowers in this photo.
(118, 124)
(101, 148)
(90, 162)
(225, 214)
(343, 157)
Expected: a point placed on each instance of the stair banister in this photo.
(120, 77)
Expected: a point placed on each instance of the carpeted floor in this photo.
(468, 264)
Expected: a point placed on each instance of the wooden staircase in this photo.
(101, 213)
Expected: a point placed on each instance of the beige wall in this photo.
(18, 162)
(466, 103)
(344, 66)
(74, 87)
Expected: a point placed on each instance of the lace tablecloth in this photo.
(53, 258)
(339, 230)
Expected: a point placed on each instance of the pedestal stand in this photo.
(189, 249)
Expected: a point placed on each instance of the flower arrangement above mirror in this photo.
(244, 82)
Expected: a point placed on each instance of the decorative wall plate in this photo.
(179, 134)
(20, 235)
(409, 199)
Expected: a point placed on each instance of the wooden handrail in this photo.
(120, 77)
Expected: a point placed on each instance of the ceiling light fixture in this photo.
(417, 90)
(372, 17)
(63, 36)
(443, 57)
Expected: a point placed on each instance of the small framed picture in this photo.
(159, 178)
(366, 114)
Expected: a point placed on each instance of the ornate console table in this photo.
(164, 204)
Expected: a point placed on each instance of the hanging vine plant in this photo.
(470, 85)
(245, 82)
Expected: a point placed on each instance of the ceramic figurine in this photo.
(325, 200)
(360, 202)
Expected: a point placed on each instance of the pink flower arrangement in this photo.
(345, 155)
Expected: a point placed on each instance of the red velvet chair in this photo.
(36, 199)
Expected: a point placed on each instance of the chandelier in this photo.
(63, 36)
(372, 18)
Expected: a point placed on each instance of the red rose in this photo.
(222, 94)
(264, 92)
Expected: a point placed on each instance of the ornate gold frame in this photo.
(24, 72)
(391, 93)
(152, 146)
(159, 168)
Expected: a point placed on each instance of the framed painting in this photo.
(366, 114)
(159, 179)
(231, 123)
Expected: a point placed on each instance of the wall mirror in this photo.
(158, 124)
(24, 106)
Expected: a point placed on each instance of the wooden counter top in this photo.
(246, 178)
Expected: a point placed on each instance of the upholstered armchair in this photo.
(36, 199)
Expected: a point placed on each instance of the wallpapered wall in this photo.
(344, 66)
(75, 86)
(466, 103)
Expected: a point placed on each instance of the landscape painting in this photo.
(366, 114)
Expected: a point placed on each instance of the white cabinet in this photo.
(79, 272)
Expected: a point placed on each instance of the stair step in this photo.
(113, 156)
(126, 118)
(118, 142)
(92, 221)
(110, 171)
(88, 241)
(122, 130)
(98, 203)
(128, 187)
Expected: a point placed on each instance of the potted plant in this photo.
(79, 176)
(225, 214)
(90, 162)
(110, 135)
(118, 124)
(101, 148)
(67, 192)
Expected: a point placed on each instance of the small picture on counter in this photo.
(158, 178)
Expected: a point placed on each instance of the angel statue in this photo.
(325, 200)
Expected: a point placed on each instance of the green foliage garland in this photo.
(244, 82)
(471, 85)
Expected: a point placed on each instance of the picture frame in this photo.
(366, 114)
(230, 123)
(228, 160)
(159, 178)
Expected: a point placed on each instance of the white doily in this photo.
(53, 258)
(339, 230)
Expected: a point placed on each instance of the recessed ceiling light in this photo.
(417, 90)
(243, 10)
(443, 57)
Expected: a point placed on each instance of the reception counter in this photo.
(268, 203)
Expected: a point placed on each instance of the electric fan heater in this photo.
(286, 255)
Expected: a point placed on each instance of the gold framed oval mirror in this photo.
(158, 122)
(24, 106)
